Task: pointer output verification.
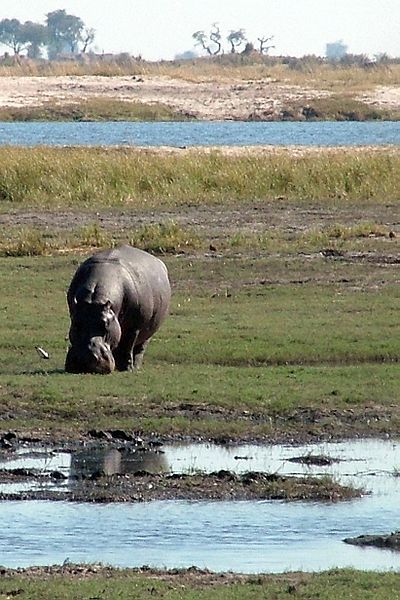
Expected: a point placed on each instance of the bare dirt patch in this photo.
(254, 216)
(383, 97)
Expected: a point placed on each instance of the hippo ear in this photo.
(107, 305)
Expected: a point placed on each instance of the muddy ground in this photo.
(208, 100)
(218, 221)
(144, 487)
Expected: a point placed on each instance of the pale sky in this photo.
(163, 28)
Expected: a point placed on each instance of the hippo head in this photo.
(94, 332)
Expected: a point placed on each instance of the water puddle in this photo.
(263, 536)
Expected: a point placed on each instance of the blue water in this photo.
(250, 537)
(245, 537)
(203, 133)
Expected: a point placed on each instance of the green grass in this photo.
(91, 109)
(125, 584)
(341, 107)
(97, 178)
(262, 326)
(159, 238)
(269, 349)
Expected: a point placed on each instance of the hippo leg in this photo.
(123, 354)
(138, 352)
(72, 364)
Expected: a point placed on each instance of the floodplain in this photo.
(284, 267)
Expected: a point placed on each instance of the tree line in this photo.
(61, 33)
(212, 42)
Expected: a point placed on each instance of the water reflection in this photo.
(87, 462)
(239, 536)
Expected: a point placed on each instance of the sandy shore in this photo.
(212, 100)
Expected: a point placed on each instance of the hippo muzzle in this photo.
(93, 357)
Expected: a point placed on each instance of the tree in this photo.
(11, 35)
(236, 39)
(65, 33)
(35, 36)
(215, 37)
(201, 39)
(87, 38)
(264, 40)
(208, 42)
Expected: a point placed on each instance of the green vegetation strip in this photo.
(91, 109)
(170, 237)
(95, 178)
(78, 581)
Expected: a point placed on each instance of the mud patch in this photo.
(222, 485)
(316, 460)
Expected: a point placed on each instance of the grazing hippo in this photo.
(117, 299)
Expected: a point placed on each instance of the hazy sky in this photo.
(162, 28)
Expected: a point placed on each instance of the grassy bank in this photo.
(331, 108)
(97, 178)
(96, 582)
(91, 109)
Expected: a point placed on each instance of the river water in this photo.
(201, 133)
(251, 537)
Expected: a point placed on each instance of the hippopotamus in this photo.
(117, 300)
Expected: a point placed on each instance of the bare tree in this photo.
(208, 42)
(264, 40)
(202, 40)
(87, 38)
(215, 37)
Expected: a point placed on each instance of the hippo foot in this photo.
(131, 361)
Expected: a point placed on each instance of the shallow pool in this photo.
(265, 536)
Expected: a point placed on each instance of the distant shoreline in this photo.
(159, 98)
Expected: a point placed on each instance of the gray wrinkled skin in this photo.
(117, 300)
